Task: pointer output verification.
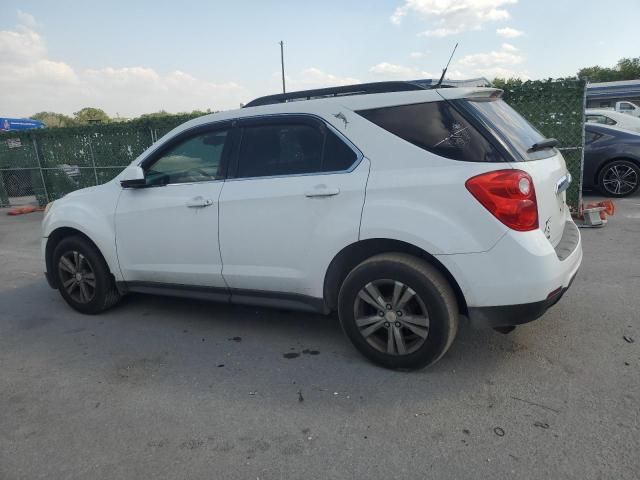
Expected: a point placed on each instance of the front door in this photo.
(167, 232)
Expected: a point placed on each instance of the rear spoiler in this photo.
(478, 94)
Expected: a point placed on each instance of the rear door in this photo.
(546, 167)
(292, 201)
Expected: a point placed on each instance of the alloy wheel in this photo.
(391, 317)
(77, 276)
(620, 179)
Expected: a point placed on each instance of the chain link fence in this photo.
(556, 108)
(20, 172)
(39, 166)
(43, 165)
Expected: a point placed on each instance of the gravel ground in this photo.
(165, 388)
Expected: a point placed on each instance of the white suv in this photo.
(402, 209)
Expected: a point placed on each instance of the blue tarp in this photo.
(14, 124)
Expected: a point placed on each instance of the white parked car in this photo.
(612, 118)
(628, 108)
(400, 208)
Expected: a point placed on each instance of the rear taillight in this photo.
(509, 195)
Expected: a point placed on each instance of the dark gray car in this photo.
(611, 160)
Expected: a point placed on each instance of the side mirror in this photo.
(133, 177)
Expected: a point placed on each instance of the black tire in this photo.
(607, 178)
(429, 286)
(104, 293)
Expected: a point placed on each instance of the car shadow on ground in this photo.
(149, 339)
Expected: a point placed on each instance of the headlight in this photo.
(48, 207)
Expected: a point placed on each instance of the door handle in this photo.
(199, 202)
(322, 191)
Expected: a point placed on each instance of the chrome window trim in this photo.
(335, 172)
(192, 183)
(220, 180)
(232, 121)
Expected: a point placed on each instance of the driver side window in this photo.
(196, 159)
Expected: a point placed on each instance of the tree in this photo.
(91, 115)
(504, 83)
(160, 114)
(202, 112)
(625, 69)
(629, 68)
(53, 119)
(165, 114)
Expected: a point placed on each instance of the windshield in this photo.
(512, 127)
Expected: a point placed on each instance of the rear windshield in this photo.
(511, 127)
(436, 127)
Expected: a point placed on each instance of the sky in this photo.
(133, 57)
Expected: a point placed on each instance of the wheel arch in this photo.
(352, 255)
(60, 233)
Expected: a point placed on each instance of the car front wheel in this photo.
(82, 276)
(398, 311)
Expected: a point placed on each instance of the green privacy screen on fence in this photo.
(556, 108)
(49, 163)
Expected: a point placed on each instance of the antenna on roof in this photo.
(444, 71)
(284, 90)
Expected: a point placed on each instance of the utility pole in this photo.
(284, 90)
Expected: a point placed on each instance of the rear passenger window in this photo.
(436, 127)
(279, 150)
(291, 149)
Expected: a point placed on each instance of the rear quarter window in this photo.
(511, 127)
(436, 127)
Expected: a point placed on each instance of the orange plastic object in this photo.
(608, 205)
(23, 210)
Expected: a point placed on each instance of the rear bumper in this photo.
(512, 315)
(519, 278)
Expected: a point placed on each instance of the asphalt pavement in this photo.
(168, 388)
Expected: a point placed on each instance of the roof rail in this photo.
(359, 89)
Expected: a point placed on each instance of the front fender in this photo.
(91, 212)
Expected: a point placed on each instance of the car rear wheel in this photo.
(82, 276)
(619, 178)
(398, 311)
